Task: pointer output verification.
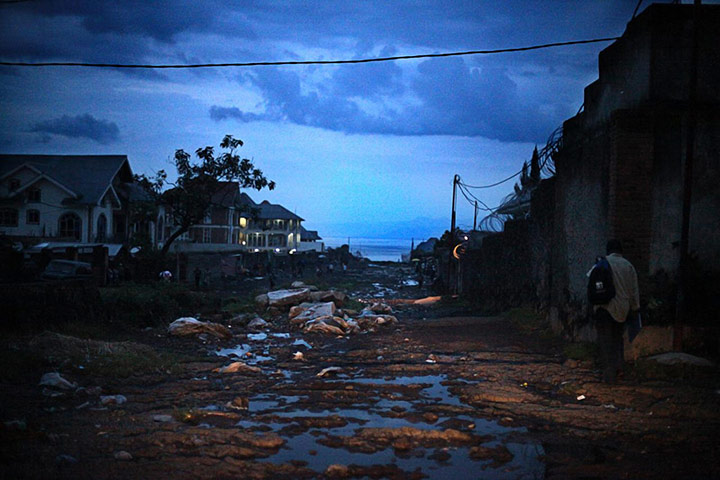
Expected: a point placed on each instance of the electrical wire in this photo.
(303, 62)
(496, 183)
(637, 7)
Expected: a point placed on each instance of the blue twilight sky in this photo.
(356, 150)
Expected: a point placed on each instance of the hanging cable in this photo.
(496, 183)
(303, 62)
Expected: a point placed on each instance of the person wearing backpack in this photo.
(611, 305)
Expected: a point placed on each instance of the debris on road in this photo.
(55, 380)
(238, 367)
(192, 326)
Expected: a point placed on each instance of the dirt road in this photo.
(434, 396)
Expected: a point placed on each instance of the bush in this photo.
(154, 304)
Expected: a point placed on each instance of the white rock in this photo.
(329, 371)
(162, 418)
(54, 379)
(239, 367)
(313, 311)
(192, 326)
(674, 358)
(112, 399)
(123, 455)
(257, 324)
(280, 298)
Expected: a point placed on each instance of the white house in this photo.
(74, 198)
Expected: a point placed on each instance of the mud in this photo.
(431, 397)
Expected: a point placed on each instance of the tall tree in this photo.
(190, 197)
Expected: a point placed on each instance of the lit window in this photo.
(243, 222)
(33, 217)
(33, 195)
(8, 217)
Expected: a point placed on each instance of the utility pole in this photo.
(683, 268)
(456, 179)
(475, 217)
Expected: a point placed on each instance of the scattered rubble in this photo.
(192, 326)
(238, 367)
(257, 324)
(112, 400)
(55, 380)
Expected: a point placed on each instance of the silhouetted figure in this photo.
(610, 318)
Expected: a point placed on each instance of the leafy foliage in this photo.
(190, 198)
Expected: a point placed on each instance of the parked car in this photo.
(67, 269)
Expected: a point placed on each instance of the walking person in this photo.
(610, 317)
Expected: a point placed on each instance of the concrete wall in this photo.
(619, 174)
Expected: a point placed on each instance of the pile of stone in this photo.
(315, 311)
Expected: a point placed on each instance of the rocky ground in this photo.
(442, 393)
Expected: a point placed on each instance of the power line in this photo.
(302, 62)
(496, 183)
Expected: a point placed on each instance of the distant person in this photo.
(611, 316)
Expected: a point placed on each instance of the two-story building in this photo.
(235, 222)
(70, 198)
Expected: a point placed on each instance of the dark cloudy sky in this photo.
(353, 148)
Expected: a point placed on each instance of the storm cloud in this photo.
(80, 126)
(440, 97)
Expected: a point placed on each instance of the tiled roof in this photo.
(89, 176)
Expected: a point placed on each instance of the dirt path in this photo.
(448, 397)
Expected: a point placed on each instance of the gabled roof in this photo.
(89, 176)
(265, 210)
(226, 196)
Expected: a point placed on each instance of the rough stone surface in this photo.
(192, 326)
(283, 298)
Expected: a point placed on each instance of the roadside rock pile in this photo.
(320, 311)
(326, 318)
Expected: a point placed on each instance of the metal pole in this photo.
(452, 232)
(475, 217)
(452, 221)
(683, 273)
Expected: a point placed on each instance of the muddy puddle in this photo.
(415, 422)
(411, 423)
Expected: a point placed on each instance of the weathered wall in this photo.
(498, 274)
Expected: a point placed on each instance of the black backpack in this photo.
(600, 288)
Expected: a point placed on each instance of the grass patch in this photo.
(236, 305)
(582, 351)
(126, 364)
(352, 304)
(142, 305)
